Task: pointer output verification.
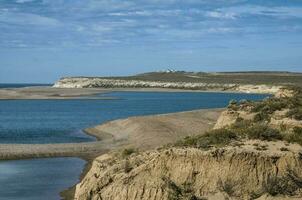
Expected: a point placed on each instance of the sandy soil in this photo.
(138, 132)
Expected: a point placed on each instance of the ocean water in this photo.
(21, 85)
(56, 121)
(39, 178)
(60, 121)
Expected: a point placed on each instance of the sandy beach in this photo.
(50, 93)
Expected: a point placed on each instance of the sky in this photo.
(43, 40)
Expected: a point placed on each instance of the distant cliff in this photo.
(84, 82)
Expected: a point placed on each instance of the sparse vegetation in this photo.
(295, 137)
(182, 192)
(295, 113)
(127, 166)
(270, 105)
(233, 105)
(251, 130)
(284, 149)
(263, 132)
(227, 186)
(243, 129)
(261, 116)
(284, 185)
(127, 152)
(216, 137)
(274, 78)
(258, 128)
(265, 108)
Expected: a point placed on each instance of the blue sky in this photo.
(42, 40)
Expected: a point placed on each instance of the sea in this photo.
(21, 85)
(63, 121)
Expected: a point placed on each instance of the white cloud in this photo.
(24, 1)
(220, 30)
(27, 19)
(280, 12)
(221, 15)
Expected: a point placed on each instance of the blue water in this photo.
(21, 85)
(57, 121)
(49, 121)
(39, 178)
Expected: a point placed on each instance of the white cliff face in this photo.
(108, 83)
(118, 83)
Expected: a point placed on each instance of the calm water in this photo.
(48, 121)
(55, 121)
(38, 179)
(20, 85)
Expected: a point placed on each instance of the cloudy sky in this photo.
(42, 40)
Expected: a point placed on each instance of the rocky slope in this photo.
(84, 82)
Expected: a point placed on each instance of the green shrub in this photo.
(297, 130)
(261, 116)
(127, 152)
(180, 192)
(294, 102)
(233, 105)
(240, 127)
(295, 137)
(288, 184)
(228, 186)
(295, 113)
(216, 137)
(270, 105)
(263, 132)
(233, 102)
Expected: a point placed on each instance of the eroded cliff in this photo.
(191, 173)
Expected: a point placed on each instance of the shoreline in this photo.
(210, 115)
(104, 140)
(108, 139)
(51, 93)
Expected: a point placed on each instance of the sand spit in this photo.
(50, 93)
(27, 151)
(148, 132)
(139, 132)
(90, 93)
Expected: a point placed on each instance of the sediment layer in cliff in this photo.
(191, 173)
